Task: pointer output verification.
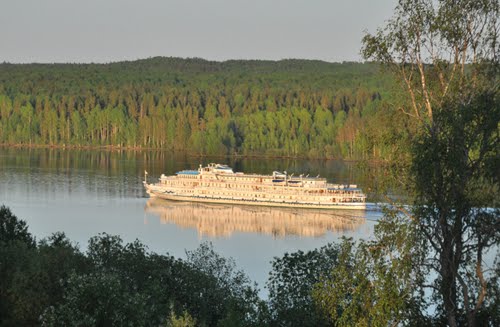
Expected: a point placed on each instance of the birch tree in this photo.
(445, 55)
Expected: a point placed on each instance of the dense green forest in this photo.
(52, 282)
(284, 108)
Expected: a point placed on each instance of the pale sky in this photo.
(114, 30)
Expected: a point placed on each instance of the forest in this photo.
(293, 108)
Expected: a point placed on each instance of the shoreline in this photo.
(112, 148)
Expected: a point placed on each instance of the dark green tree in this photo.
(228, 295)
(291, 283)
(20, 278)
(99, 299)
(13, 229)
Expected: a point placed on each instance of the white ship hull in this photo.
(168, 194)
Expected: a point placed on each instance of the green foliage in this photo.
(31, 277)
(445, 55)
(22, 293)
(20, 279)
(59, 258)
(102, 299)
(13, 229)
(134, 271)
(284, 108)
(457, 187)
(291, 284)
(185, 320)
(227, 294)
(375, 283)
(54, 284)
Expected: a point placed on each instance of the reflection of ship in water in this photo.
(217, 220)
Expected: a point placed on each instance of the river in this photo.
(86, 192)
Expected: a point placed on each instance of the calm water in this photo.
(83, 193)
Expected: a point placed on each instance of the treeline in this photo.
(53, 283)
(285, 108)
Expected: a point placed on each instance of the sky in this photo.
(102, 31)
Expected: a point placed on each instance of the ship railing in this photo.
(342, 186)
(166, 178)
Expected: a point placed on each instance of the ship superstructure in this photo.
(217, 183)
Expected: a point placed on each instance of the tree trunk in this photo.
(448, 281)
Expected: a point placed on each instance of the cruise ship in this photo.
(217, 183)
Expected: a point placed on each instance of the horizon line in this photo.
(5, 62)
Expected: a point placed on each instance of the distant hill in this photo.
(254, 107)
